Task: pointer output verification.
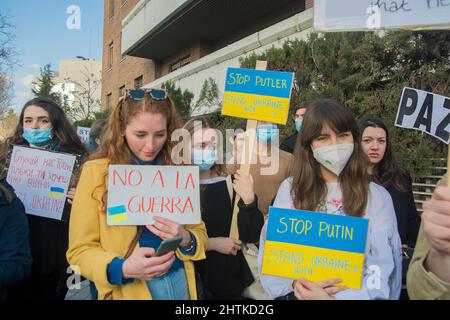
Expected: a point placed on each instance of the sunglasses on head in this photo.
(155, 94)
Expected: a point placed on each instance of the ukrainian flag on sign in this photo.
(117, 214)
(56, 192)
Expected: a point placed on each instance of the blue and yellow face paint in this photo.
(117, 214)
(56, 192)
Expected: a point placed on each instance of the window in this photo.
(109, 101)
(111, 55)
(122, 91)
(180, 63)
(122, 56)
(111, 8)
(138, 82)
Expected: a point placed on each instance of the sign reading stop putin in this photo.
(257, 94)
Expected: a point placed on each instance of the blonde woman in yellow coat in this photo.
(139, 131)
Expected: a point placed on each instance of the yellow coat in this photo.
(93, 244)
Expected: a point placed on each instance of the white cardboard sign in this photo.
(426, 112)
(41, 180)
(353, 15)
(138, 193)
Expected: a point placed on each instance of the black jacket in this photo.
(15, 257)
(226, 276)
(288, 144)
(408, 219)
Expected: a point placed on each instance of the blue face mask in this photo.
(266, 133)
(205, 159)
(298, 124)
(91, 146)
(37, 136)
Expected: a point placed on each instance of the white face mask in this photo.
(334, 157)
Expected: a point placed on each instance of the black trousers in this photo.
(40, 287)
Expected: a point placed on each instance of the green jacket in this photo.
(421, 283)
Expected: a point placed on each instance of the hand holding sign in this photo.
(243, 185)
(322, 290)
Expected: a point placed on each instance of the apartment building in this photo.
(149, 42)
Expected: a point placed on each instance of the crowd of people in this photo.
(333, 164)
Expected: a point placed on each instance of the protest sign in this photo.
(426, 112)
(315, 246)
(83, 134)
(354, 15)
(138, 193)
(257, 94)
(41, 180)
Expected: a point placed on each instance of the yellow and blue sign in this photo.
(257, 94)
(315, 246)
(56, 192)
(117, 214)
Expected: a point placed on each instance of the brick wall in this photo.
(123, 71)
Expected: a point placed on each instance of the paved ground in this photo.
(80, 294)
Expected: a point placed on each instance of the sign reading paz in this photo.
(138, 193)
(315, 246)
(257, 94)
(41, 180)
(425, 111)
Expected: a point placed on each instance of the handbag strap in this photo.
(140, 230)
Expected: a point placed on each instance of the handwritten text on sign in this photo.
(41, 180)
(257, 94)
(138, 193)
(315, 246)
(83, 134)
(346, 15)
(425, 111)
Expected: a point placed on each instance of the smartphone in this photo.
(168, 245)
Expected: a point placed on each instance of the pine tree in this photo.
(367, 72)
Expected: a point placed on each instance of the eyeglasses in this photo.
(139, 94)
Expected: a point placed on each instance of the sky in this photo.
(45, 32)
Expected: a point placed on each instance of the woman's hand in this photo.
(436, 220)
(243, 185)
(224, 245)
(71, 195)
(322, 290)
(167, 229)
(142, 264)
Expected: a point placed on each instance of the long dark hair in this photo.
(63, 132)
(309, 188)
(387, 172)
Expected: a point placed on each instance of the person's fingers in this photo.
(436, 231)
(146, 252)
(334, 290)
(237, 242)
(158, 232)
(300, 289)
(441, 193)
(306, 283)
(328, 283)
(436, 218)
(161, 267)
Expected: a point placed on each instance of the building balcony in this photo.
(157, 29)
